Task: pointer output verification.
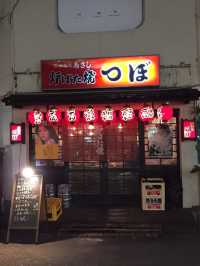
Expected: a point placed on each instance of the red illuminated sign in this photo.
(146, 114)
(136, 71)
(71, 115)
(107, 115)
(188, 130)
(165, 112)
(97, 113)
(35, 117)
(126, 114)
(17, 133)
(90, 115)
(53, 115)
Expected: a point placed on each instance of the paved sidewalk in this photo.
(183, 250)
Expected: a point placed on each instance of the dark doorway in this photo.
(103, 164)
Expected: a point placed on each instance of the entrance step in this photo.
(111, 230)
(127, 222)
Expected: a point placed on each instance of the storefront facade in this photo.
(94, 145)
(117, 166)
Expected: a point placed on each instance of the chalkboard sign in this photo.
(25, 205)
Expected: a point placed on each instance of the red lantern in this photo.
(90, 115)
(71, 115)
(53, 115)
(107, 115)
(146, 114)
(165, 112)
(35, 117)
(127, 114)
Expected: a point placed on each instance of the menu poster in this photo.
(26, 204)
(153, 195)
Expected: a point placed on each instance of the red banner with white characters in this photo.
(136, 71)
(17, 133)
(188, 130)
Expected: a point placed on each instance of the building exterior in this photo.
(30, 34)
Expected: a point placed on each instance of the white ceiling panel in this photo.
(99, 15)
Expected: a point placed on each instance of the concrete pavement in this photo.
(168, 250)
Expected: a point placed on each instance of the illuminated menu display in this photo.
(26, 202)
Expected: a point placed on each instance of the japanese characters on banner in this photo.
(53, 115)
(146, 114)
(188, 130)
(91, 114)
(17, 133)
(107, 114)
(127, 114)
(35, 117)
(136, 71)
(71, 115)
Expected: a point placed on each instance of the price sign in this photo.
(153, 194)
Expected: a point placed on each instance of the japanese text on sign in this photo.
(101, 72)
(26, 202)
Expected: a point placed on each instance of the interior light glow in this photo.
(120, 126)
(91, 127)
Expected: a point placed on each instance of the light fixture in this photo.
(146, 114)
(120, 126)
(165, 112)
(71, 115)
(90, 114)
(91, 127)
(36, 117)
(53, 115)
(27, 172)
(126, 114)
(107, 114)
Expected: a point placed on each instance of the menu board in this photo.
(25, 205)
(153, 194)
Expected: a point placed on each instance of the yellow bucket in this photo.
(54, 208)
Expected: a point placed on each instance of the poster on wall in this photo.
(160, 141)
(46, 143)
